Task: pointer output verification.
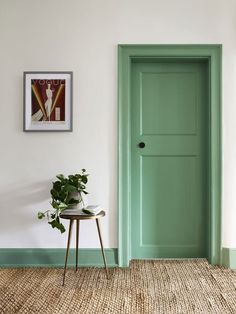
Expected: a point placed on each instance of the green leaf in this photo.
(52, 223)
(62, 206)
(60, 177)
(55, 204)
(73, 201)
(57, 185)
(61, 228)
(57, 224)
(54, 193)
(84, 179)
(41, 215)
(70, 188)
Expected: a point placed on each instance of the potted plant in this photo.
(65, 193)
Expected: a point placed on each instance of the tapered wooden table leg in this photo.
(67, 250)
(100, 238)
(77, 243)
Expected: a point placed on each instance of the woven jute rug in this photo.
(170, 286)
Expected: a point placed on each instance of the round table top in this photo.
(71, 215)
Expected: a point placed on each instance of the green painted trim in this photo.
(126, 54)
(55, 257)
(229, 258)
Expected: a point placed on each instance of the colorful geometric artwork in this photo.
(48, 101)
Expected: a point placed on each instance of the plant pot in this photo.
(76, 196)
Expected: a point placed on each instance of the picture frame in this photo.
(48, 101)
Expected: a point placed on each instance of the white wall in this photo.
(82, 36)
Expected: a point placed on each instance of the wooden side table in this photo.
(78, 217)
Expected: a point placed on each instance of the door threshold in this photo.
(169, 258)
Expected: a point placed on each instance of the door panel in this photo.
(167, 99)
(169, 183)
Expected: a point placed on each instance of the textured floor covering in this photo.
(190, 286)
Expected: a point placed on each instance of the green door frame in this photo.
(126, 54)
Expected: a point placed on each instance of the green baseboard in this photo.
(55, 257)
(229, 258)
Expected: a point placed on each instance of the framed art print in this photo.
(48, 101)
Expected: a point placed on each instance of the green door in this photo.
(169, 181)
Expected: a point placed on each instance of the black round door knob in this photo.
(141, 145)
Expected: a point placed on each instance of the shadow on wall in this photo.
(19, 204)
